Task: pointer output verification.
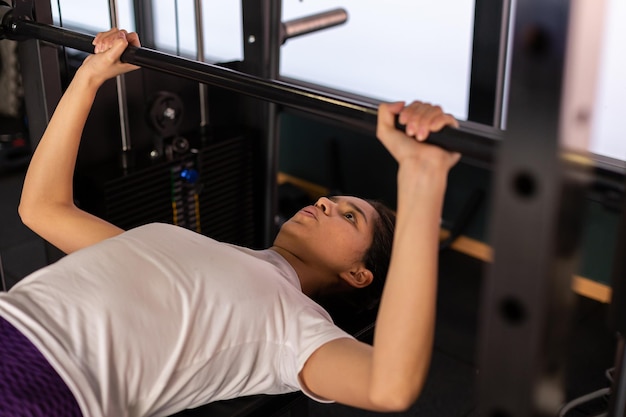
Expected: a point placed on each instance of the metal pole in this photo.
(475, 142)
(2, 279)
(617, 320)
(203, 89)
(503, 61)
(120, 82)
(313, 23)
(261, 25)
(39, 63)
(144, 21)
(538, 208)
(617, 405)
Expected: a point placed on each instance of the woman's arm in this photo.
(406, 319)
(390, 375)
(47, 203)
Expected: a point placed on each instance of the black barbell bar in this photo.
(476, 142)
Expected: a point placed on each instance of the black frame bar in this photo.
(537, 216)
(42, 89)
(475, 145)
(261, 58)
(617, 320)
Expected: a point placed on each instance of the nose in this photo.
(325, 204)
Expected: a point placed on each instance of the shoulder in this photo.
(311, 327)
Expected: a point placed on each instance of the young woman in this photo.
(158, 319)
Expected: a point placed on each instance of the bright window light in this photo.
(392, 50)
(221, 25)
(92, 16)
(607, 136)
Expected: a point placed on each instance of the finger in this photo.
(427, 118)
(101, 35)
(413, 116)
(409, 111)
(112, 47)
(104, 40)
(133, 39)
(118, 45)
(455, 157)
(387, 113)
(442, 120)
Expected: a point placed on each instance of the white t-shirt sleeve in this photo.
(311, 330)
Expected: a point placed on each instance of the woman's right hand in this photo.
(108, 48)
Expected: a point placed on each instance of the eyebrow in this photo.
(352, 206)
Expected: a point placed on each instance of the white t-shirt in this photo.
(160, 318)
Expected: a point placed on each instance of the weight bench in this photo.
(253, 406)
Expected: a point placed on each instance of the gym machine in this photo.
(542, 174)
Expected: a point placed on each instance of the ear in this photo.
(359, 277)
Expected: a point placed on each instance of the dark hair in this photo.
(362, 303)
(378, 255)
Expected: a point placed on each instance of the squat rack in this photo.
(539, 188)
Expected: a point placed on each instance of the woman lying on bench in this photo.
(158, 319)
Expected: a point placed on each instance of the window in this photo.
(175, 29)
(392, 50)
(93, 16)
(607, 137)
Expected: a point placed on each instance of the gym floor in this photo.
(451, 383)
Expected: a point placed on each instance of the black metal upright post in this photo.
(40, 70)
(617, 321)
(261, 37)
(39, 63)
(540, 181)
(144, 22)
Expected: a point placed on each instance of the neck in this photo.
(312, 280)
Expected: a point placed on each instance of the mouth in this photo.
(308, 211)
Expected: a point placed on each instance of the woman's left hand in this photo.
(420, 120)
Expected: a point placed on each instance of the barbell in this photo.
(474, 141)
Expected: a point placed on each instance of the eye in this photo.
(350, 216)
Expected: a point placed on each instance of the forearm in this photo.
(49, 178)
(47, 204)
(405, 324)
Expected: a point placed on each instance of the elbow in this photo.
(397, 388)
(395, 402)
(26, 214)
(398, 398)
(30, 213)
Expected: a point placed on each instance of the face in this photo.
(335, 232)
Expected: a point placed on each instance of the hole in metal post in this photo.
(537, 41)
(525, 185)
(513, 311)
